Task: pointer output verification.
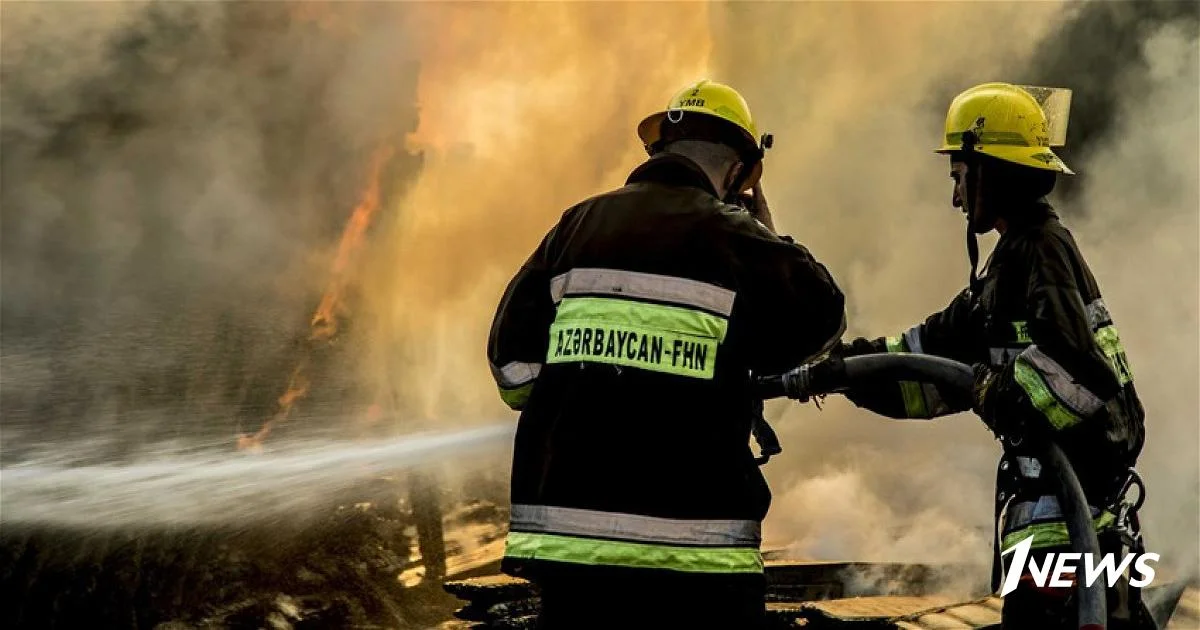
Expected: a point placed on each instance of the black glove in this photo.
(982, 401)
(827, 375)
(815, 379)
(856, 347)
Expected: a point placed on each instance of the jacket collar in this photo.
(1031, 215)
(672, 169)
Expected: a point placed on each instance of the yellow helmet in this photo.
(1010, 123)
(710, 99)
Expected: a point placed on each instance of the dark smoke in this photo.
(1134, 137)
(174, 179)
(1098, 54)
(857, 94)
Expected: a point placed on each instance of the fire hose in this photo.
(800, 384)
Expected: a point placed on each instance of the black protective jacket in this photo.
(627, 340)
(1037, 319)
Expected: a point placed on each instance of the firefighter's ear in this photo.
(731, 178)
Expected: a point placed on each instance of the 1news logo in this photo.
(1064, 564)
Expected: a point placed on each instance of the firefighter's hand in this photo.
(756, 203)
(827, 375)
(985, 377)
(856, 347)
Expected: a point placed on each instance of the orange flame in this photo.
(324, 324)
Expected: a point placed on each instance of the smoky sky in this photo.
(174, 179)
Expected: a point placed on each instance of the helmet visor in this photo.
(1056, 104)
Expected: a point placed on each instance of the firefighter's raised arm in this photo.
(795, 307)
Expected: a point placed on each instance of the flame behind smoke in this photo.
(332, 306)
(525, 109)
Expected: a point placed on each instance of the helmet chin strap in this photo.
(973, 254)
(972, 193)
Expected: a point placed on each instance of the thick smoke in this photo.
(1138, 226)
(855, 179)
(856, 95)
(175, 179)
(525, 110)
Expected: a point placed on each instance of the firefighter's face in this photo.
(972, 205)
(958, 173)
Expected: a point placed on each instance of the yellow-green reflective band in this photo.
(1021, 332)
(592, 551)
(653, 337)
(1039, 394)
(517, 397)
(914, 398)
(1110, 342)
(1008, 138)
(642, 315)
(1052, 534)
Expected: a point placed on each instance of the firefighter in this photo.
(1048, 361)
(627, 341)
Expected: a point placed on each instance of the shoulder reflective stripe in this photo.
(634, 527)
(912, 337)
(654, 337)
(516, 398)
(647, 286)
(1057, 381)
(515, 373)
(1052, 534)
(1021, 332)
(594, 551)
(1110, 343)
(1097, 314)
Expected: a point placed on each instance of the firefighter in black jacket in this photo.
(627, 340)
(1048, 361)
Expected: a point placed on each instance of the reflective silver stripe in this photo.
(1002, 356)
(632, 527)
(912, 337)
(1045, 508)
(1030, 467)
(1061, 383)
(648, 286)
(516, 373)
(1097, 314)
(933, 400)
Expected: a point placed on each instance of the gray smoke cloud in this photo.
(1141, 206)
(175, 180)
(854, 178)
(175, 177)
